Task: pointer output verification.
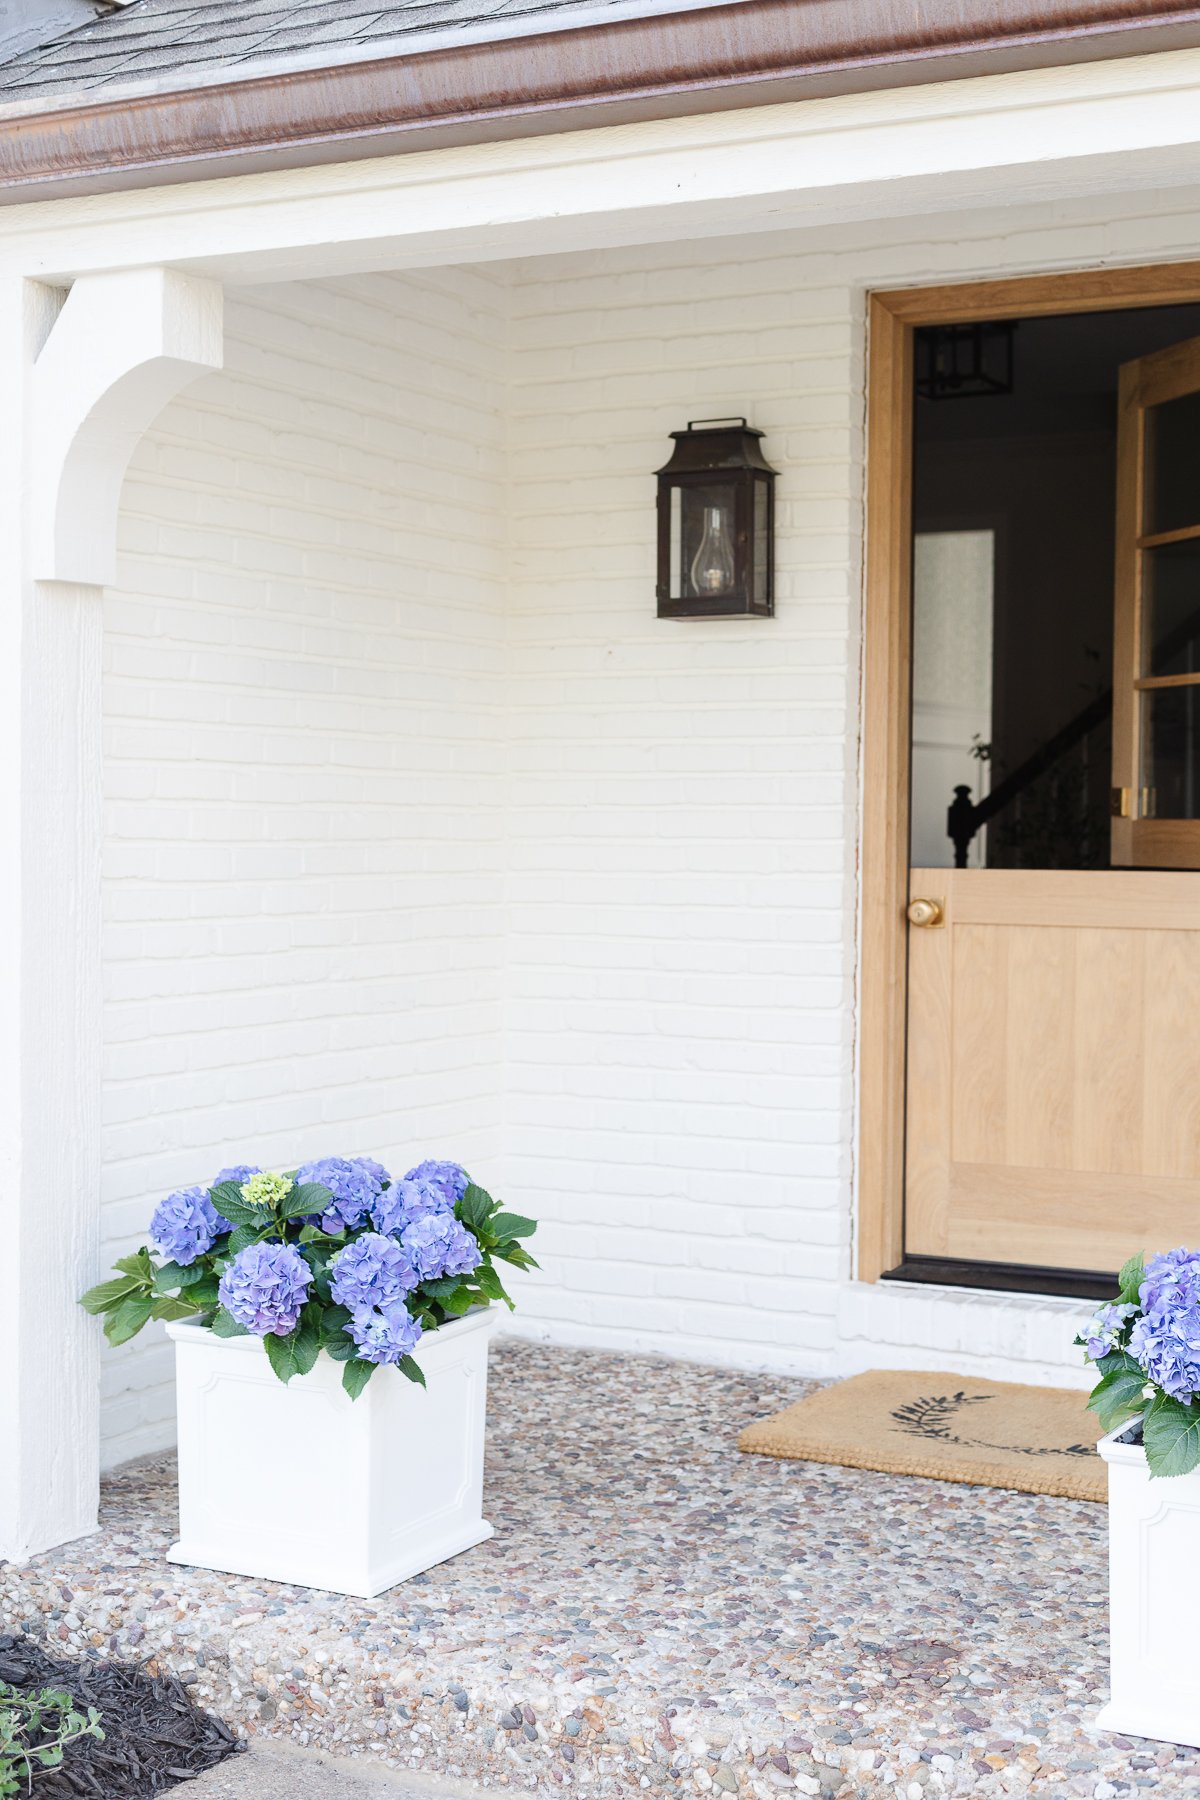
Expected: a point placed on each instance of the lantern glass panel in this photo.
(702, 541)
(762, 541)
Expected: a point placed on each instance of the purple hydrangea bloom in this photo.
(384, 1336)
(186, 1225)
(354, 1186)
(1172, 1279)
(1167, 1344)
(448, 1177)
(406, 1201)
(1104, 1328)
(240, 1172)
(373, 1271)
(373, 1168)
(439, 1245)
(265, 1287)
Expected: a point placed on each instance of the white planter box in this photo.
(1154, 1597)
(301, 1484)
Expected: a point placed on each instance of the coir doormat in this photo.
(951, 1427)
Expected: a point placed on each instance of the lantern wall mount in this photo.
(716, 524)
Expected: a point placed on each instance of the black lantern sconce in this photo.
(965, 362)
(716, 524)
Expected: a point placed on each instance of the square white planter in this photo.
(1154, 1597)
(302, 1484)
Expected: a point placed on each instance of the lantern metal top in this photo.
(710, 444)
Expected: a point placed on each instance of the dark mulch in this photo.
(154, 1737)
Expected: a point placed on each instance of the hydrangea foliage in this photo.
(333, 1257)
(1146, 1345)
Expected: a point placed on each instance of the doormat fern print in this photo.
(945, 1426)
(932, 1416)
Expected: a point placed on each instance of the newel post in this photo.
(81, 378)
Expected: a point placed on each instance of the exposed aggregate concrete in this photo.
(657, 1615)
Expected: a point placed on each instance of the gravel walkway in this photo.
(656, 1615)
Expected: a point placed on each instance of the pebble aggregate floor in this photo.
(657, 1615)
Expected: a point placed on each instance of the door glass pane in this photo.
(1173, 464)
(953, 579)
(1171, 752)
(1171, 609)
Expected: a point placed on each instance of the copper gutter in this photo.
(712, 59)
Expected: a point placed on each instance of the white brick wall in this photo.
(683, 804)
(424, 833)
(681, 824)
(301, 708)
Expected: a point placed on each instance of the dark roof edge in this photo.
(715, 59)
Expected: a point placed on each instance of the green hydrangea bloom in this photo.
(266, 1190)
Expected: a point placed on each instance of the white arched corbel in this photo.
(123, 345)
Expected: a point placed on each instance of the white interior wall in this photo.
(302, 830)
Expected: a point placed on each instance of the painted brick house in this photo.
(357, 799)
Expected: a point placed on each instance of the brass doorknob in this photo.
(925, 912)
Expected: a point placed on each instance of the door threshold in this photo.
(1009, 1278)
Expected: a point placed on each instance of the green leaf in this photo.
(176, 1306)
(241, 1239)
(356, 1375)
(1130, 1279)
(511, 1225)
(138, 1264)
(224, 1325)
(310, 1197)
(174, 1275)
(437, 1290)
(334, 1320)
(475, 1207)
(281, 1354)
(127, 1318)
(459, 1302)
(106, 1294)
(228, 1200)
(490, 1282)
(1171, 1435)
(306, 1345)
(517, 1255)
(413, 1370)
(1120, 1394)
(341, 1349)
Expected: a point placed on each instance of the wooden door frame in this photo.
(892, 319)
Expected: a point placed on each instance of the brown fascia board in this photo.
(753, 53)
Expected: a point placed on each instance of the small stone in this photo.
(724, 1777)
(460, 1700)
(572, 1726)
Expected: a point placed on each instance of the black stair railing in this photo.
(967, 817)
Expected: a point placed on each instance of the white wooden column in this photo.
(81, 378)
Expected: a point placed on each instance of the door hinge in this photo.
(1121, 802)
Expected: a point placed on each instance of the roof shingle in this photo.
(153, 38)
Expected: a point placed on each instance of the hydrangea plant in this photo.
(1146, 1345)
(335, 1255)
